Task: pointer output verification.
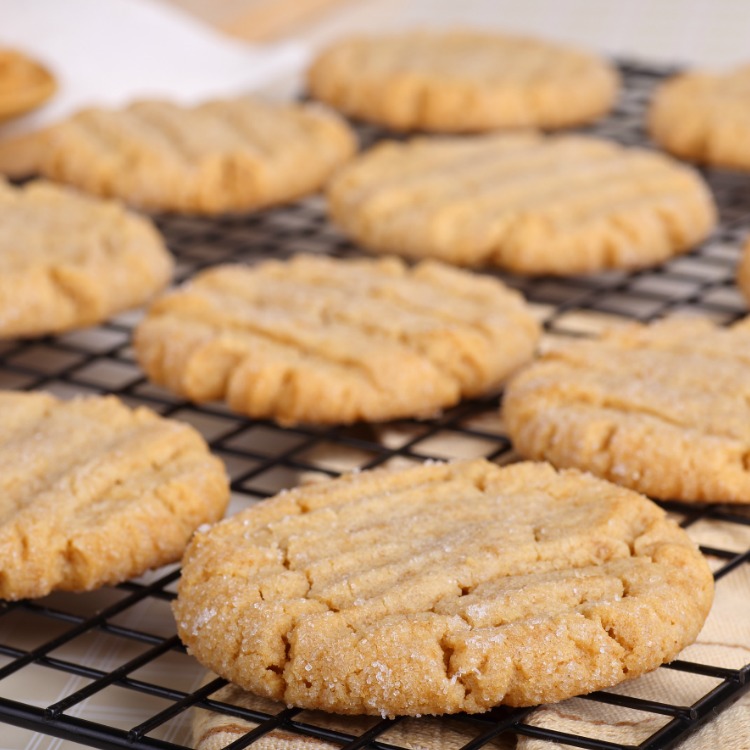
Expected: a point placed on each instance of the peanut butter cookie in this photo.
(705, 117)
(528, 203)
(322, 340)
(661, 408)
(461, 81)
(24, 84)
(92, 492)
(68, 260)
(442, 588)
(230, 155)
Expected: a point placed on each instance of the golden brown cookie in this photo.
(663, 409)
(324, 340)
(442, 588)
(24, 84)
(93, 492)
(525, 202)
(461, 81)
(68, 260)
(221, 156)
(704, 117)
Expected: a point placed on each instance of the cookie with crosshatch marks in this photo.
(225, 155)
(93, 492)
(324, 340)
(525, 202)
(69, 260)
(661, 408)
(704, 117)
(462, 81)
(442, 588)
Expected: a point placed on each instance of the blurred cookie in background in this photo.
(24, 84)
(525, 202)
(462, 81)
(705, 117)
(221, 156)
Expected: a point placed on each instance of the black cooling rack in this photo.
(106, 670)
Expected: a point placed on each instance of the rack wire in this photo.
(105, 669)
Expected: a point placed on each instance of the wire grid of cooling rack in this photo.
(106, 669)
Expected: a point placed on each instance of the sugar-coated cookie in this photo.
(442, 588)
(661, 408)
